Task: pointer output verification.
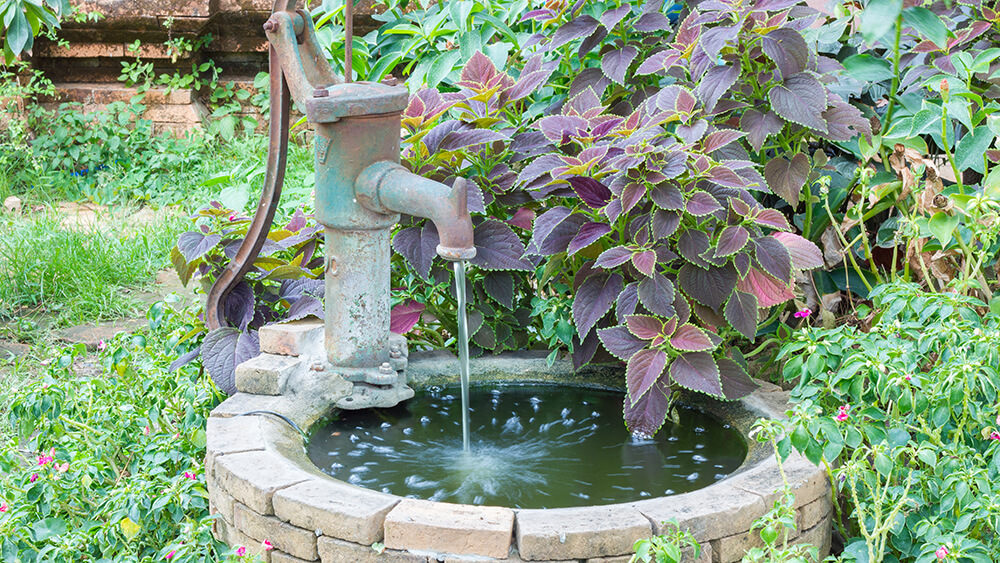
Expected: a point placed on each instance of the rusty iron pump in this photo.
(360, 191)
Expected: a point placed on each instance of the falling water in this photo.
(463, 349)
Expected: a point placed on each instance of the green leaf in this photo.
(878, 18)
(943, 226)
(867, 68)
(926, 121)
(441, 67)
(45, 529)
(972, 147)
(19, 31)
(883, 465)
(927, 24)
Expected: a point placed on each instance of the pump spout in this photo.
(387, 187)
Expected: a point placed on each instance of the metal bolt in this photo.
(270, 25)
(317, 367)
(386, 369)
(321, 93)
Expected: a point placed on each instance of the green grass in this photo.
(80, 273)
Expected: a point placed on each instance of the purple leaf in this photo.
(539, 167)
(845, 121)
(692, 244)
(644, 261)
(580, 26)
(644, 369)
(614, 256)
(589, 78)
(697, 371)
(194, 245)
(773, 5)
(303, 307)
(500, 287)
(546, 223)
(477, 72)
(709, 287)
(736, 384)
(498, 247)
(588, 234)
(645, 416)
(786, 177)
(457, 140)
(627, 301)
(644, 326)
(766, 289)
(620, 342)
(657, 295)
(713, 40)
(593, 193)
(690, 338)
(701, 204)
(658, 62)
(224, 349)
(805, 254)
(632, 194)
(741, 312)
(418, 246)
(693, 133)
(801, 99)
(184, 359)
(759, 126)
(615, 63)
(610, 18)
(650, 22)
(667, 196)
(665, 223)
(772, 218)
(239, 307)
(593, 300)
(718, 139)
(787, 49)
(522, 218)
(732, 239)
(716, 82)
(773, 257)
(591, 42)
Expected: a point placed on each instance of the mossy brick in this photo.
(265, 374)
(579, 533)
(459, 529)
(292, 338)
(332, 550)
(252, 478)
(335, 508)
(710, 513)
(290, 539)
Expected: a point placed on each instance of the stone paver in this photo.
(337, 509)
(291, 338)
(337, 551)
(730, 509)
(253, 477)
(814, 512)
(294, 541)
(450, 528)
(579, 533)
(91, 335)
(265, 374)
(11, 350)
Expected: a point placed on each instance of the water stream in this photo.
(463, 349)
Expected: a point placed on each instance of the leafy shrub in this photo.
(904, 418)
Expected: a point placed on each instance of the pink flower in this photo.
(145, 431)
(842, 414)
(33, 478)
(267, 545)
(44, 460)
(170, 555)
(241, 551)
(190, 475)
(994, 435)
(941, 552)
(907, 377)
(802, 314)
(232, 216)
(101, 345)
(3, 507)
(63, 468)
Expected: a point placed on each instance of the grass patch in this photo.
(79, 272)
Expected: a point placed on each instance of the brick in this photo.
(293, 541)
(337, 509)
(807, 481)
(818, 536)
(814, 513)
(337, 551)
(265, 374)
(292, 338)
(710, 513)
(252, 478)
(219, 501)
(282, 557)
(229, 535)
(450, 528)
(234, 435)
(578, 533)
(186, 115)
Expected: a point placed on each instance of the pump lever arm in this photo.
(260, 226)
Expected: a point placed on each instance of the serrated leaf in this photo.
(595, 194)
(418, 246)
(627, 302)
(578, 27)
(644, 261)
(665, 223)
(612, 257)
(643, 370)
(759, 126)
(787, 49)
(405, 316)
(701, 203)
(800, 98)
(667, 196)
(224, 349)
(732, 239)
(772, 218)
(805, 254)
(741, 312)
(615, 63)
(621, 343)
(773, 257)
(709, 287)
(736, 384)
(588, 234)
(499, 286)
(593, 300)
(498, 247)
(657, 295)
(193, 244)
(786, 177)
(766, 289)
(646, 415)
(718, 139)
(716, 82)
(644, 326)
(690, 338)
(697, 371)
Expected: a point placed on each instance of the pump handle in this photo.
(260, 226)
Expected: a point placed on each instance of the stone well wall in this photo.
(263, 486)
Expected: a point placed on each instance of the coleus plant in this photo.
(686, 259)
(281, 286)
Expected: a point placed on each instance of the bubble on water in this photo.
(692, 477)
(355, 453)
(699, 429)
(385, 426)
(360, 469)
(407, 431)
(354, 479)
(513, 425)
(425, 420)
(699, 446)
(564, 413)
(354, 438)
(595, 414)
(416, 482)
(382, 450)
(699, 458)
(434, 389)
(644, 493)
(336, 466)
(672, 438)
